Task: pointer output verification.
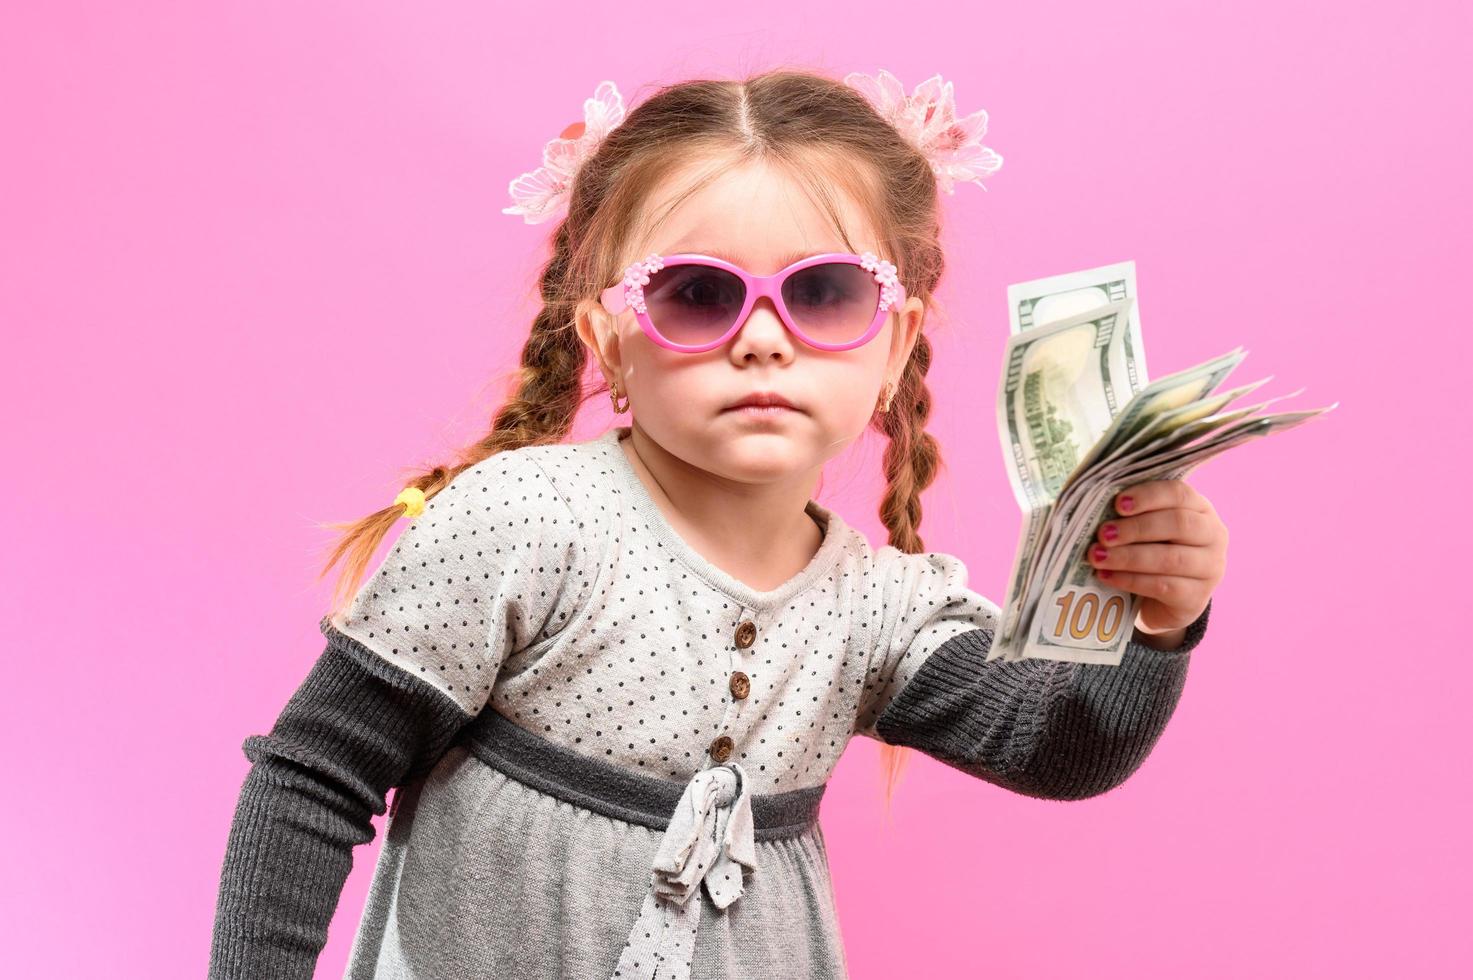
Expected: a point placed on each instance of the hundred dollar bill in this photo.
(1072, 521)
(1076, 616)
(1078, 422)
(1062, 387)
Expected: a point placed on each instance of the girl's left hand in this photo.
(1170, 547)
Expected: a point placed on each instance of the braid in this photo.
(912, 455)
(911, 460)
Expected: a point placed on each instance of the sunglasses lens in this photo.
(693, 304)
(834, 302)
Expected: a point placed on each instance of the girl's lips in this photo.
(761, 411)
(762, 399)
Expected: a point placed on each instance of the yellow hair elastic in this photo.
(413, 499)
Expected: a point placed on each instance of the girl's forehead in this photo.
(755, 214)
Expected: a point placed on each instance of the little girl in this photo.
(608, 676)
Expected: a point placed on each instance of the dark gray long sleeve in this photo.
(355, 728)
(1043, 728)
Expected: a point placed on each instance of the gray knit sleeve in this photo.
(357, 726)
(1043, 728)
(479, 584)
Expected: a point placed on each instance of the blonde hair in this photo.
(816, 128)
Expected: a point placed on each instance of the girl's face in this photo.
(759, 218)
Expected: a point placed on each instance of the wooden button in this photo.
(741, 685)
(721, 748)
(746, 632)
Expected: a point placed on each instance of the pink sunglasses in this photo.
(693, 303)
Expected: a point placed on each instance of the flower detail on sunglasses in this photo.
(540, 193)
(927, 120)
(635, 278)
(884, 274)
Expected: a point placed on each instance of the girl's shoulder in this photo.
(497, 563)
(547, 489)
(542, 478)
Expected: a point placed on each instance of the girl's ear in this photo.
(596, 329)
(907, 328)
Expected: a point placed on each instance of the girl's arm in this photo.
(1058, 731)
(356, 727)
(487, 576)
(1043, 728)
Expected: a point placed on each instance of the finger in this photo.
(1173, 524)
(1173, 590)
(1189, 561)
(1159, 495)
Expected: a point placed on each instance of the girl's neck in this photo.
(760, 535)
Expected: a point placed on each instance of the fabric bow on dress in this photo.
(709, 839)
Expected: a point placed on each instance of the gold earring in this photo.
(889, 394)
(614, 397)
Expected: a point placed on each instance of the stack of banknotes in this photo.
(1079, 422)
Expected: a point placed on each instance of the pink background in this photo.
(253, 264)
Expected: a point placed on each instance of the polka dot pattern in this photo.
(924, 601)
(491, 566)
(546, 583)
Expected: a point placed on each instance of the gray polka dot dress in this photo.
(607, 755)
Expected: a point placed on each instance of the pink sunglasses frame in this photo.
(630, 294)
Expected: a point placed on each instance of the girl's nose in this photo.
(763, 329)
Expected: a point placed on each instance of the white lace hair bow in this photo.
(926, 118)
